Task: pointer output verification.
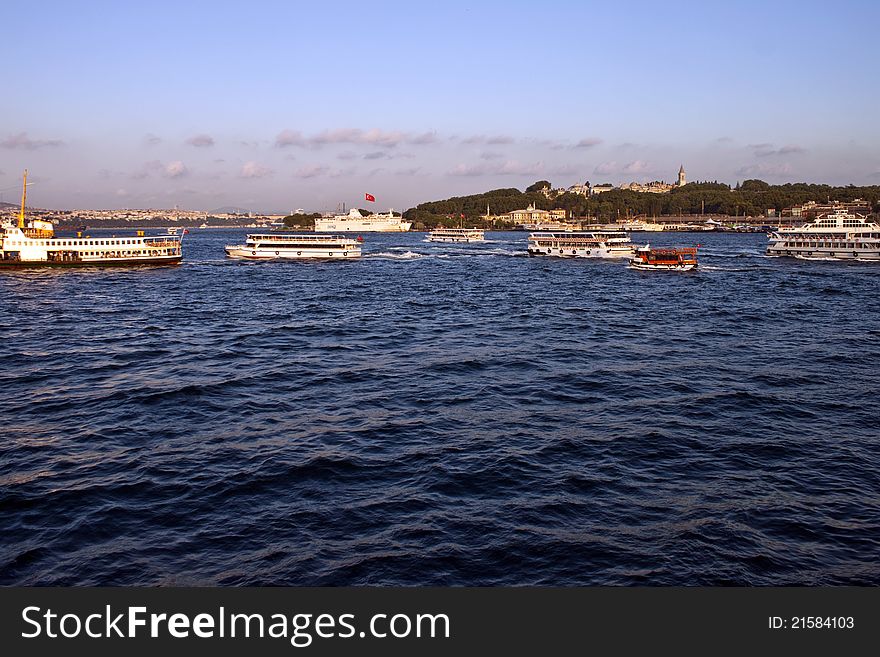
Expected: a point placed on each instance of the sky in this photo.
(274, 106)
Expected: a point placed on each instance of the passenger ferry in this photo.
(838, 235)
(682, 259)
(354, 221)
(581, 244)
(33, 243)
(456, 235)
(287, 246)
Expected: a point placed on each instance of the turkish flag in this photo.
(370, 198)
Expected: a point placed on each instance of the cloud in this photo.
(353, 136)
(588, 142)
(762, 150)
(152, 140)
(346, 155)
(289, 138)
(764, 169)
(201, 141)
(424, 138)
(254, 170)
(491, 139)
(312, 171)
(378, 155)
(637, 166)
(176, 169)
(121, 192)
(357, 136)
(508, 168)
(408, 172)
(489, 155)
(606, 168)
(765, 150)
(22, 141)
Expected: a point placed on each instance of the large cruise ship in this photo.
(838, 235)
(355, 222)
(33, 243)
(582, 244)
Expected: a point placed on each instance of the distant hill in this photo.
(8, 205)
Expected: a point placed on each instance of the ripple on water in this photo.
(442, 415)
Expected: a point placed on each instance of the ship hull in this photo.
(121, 262)
(290, 254)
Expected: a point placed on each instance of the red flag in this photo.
(370, 198)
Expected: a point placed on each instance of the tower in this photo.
(681, 179)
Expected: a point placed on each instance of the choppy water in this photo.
(442, 414)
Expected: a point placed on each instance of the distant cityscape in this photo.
(528, 216)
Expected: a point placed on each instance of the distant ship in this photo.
(33, 243)
(353, 221)
(837, 235)
(456, 235)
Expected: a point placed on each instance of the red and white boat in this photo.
(680, 259)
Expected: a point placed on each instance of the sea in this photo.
(440, 414)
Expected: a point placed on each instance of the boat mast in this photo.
(23, 200)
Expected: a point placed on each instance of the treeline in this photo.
(449, 213)
(751, 198)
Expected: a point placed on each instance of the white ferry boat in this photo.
(33, 243)
(838, 234)
(582, 244)
(355, 222)
(456, 235)
(287, 246)
(643, 226)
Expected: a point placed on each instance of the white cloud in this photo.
(289, 138)
(637, 166)
(588, 142)
(176, 169)
(606, 168)
(254, 170)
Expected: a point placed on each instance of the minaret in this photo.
(681, 180)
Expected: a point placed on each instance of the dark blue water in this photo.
(442, 414)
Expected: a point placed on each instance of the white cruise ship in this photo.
(288, 246)
(456, 235)
(837, 234)
(33, 243)
(582, 244)
(354, 222)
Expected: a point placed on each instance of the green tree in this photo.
(538, 186)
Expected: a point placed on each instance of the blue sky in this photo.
(282, 105)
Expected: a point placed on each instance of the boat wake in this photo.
(390, 255)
